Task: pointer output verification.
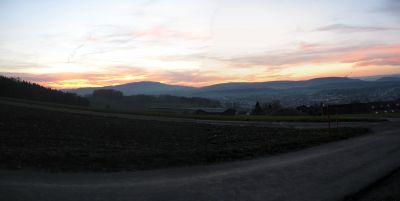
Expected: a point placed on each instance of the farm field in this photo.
(265, 118)
(57, 141)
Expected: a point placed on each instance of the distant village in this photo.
(275, 108)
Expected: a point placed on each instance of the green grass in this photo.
(57, 141)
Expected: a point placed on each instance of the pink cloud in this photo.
(308, 46)
(380, 55)
(391, 61)
(317, 54)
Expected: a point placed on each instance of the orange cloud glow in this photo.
(310, 61)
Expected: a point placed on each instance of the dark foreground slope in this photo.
(329, 172)
(15, 88)
(34, 138)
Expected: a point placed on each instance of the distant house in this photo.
(355, 108)
(215, 111)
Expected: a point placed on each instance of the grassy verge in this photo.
(33, 138)
(288, 118)
(385, 189)
(380, 115)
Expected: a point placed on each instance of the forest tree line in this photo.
(17, 88)
(114, 96)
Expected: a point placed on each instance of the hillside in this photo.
(135, 88)
(15, 88)
(157, 88)
(291, 93)
(145, 102)
(386, 79)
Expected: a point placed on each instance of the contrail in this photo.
(71, 56)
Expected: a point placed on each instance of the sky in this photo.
(87, 43)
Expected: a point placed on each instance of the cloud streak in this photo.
(356, 54)
(343, 28)
(75, 50)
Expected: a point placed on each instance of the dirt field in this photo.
(57, 141)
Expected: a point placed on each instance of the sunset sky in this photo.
(69, 44)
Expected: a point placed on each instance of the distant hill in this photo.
(388, 79)
(15, 88)
(279, 84)
(326, 89)
(157, 88)
(135, 88)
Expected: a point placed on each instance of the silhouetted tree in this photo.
(17, 88)
(149, 101)
(272, 107)
(257, 109)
